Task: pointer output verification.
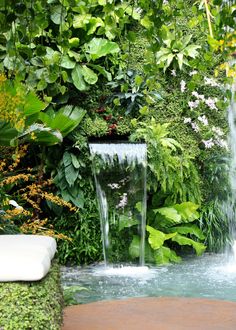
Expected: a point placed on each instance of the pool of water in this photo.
(210, 276)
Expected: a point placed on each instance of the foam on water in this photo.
(126, 271)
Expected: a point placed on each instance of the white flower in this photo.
(211, 82)
(123, 201)
(173, 73)
(192, 73)
(201, 97)
(203, 119)
(195, 127)
(222, 143)
(193, 104)
(113, 185)
(182, 86)
(211, 103)
(217, 130)
(195, 93)
(198, 96)
(208, 143)
(187, 120)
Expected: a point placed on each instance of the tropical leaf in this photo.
(7, 134)
(187, 211)
(126, 222)
(170, 143)
(80, 21)
(165, 255)
(67, 63)
(170, 213)
(191, 50)
(191, 229)
(89, 75)
(40, 134)
(58, 15)
(157, 238)
(102, 71)
(71, 173)
(65, 120)
(99, 47)
(182, 240)
(78, 79)
(33, 104)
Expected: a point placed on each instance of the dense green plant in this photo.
(171, 171)
(132, 91)
(168, 226)
(217, 220)
(68, 52)
(177, 50)
(32, 305)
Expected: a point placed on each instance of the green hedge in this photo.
(32, 305)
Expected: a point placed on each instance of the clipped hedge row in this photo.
(32, 305)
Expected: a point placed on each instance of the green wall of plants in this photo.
(151, 70)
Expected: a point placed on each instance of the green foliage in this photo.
(174, 225)
(32, 305)
(174, 173)
(84, 230)
(132, 91)
(60, 46)
(217, 219)
(176, 51)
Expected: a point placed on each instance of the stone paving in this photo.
(165, 313)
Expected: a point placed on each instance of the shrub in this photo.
(32, 305)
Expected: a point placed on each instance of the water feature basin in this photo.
(210, 276)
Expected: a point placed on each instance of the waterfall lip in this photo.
(116, 142)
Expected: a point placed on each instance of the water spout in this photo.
(120, 177)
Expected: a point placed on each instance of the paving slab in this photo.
(164, 313)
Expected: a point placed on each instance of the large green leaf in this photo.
(182, 240)
(187, 211)
(58, 14)
(71, 173)
(65, 120)
(102, 70)
(126, 222)
(78, 78)
(99, 47)
(165, 255)
(157, 238)
(191, 229)
(170, 213)
(191, 50)
(67, 63)
(33, 104)
(41, 134)
(80, 21)
(94, 23)
(89, 75)
(7, 134)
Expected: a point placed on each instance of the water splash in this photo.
(120, 176)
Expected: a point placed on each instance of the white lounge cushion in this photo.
(35, 242)
(25, 257)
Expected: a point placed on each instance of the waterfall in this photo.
(120, 177)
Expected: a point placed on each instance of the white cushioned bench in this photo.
(25, 257)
